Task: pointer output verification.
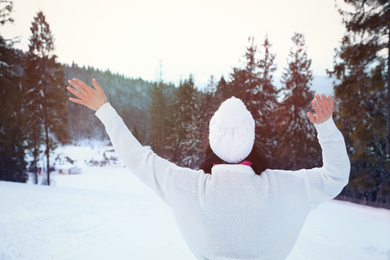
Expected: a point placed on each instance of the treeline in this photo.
(173, 120)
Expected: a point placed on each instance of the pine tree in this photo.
(245, 80)
(159, 116)
(296, 134)
(46, 92)
(208, 104)
(251, 84)
(185, 137)
(12, 123)
(12, 164)
(159, 119)
(267, 104)
(223, 91)
(361, 67)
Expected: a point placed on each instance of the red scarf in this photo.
(247, 163)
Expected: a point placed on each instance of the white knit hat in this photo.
(232, 131)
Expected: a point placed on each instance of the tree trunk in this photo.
(35, 170)
(294, 162)
(47, 140)
(47, 154)
(388, 101)
(46, 123)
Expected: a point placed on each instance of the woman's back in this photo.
(236, 214)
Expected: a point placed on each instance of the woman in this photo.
(234, 212)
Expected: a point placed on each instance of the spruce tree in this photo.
(208, 104)
(223, 91)
(185, 136)
(46, 92)
(159, 119)
(361, 67)
(251, 84)
(296, 134)
(12, 164)
(12, 119)
(207, 100)
(267, 104)
(244, 80)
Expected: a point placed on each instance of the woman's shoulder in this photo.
(280, 173)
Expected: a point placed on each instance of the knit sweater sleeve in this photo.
(151, 169)
(326, 182)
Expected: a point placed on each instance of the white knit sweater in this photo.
(234, 213)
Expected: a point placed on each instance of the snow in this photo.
(106, 213)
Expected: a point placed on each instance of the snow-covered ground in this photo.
(106, 213)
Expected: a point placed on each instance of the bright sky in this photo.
(202, 37)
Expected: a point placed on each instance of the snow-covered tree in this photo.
(160, 118)
(184, 141)
(266, 104)
(223, 91)
(12, 119)
(245, 79)
(46, 93)
(208, 104)
(361, 66)
(297, 143)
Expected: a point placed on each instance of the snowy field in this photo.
(106, 213)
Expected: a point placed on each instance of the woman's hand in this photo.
(89, 97)
(323, 109)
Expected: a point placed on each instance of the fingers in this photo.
(90, 97)
(78, 101)
(322, 104)
(82, 84)
(96, 85)
(77, 87)
(311, 117)
(317, 109)
(331, 103)
(74, 92)
(323, 108)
